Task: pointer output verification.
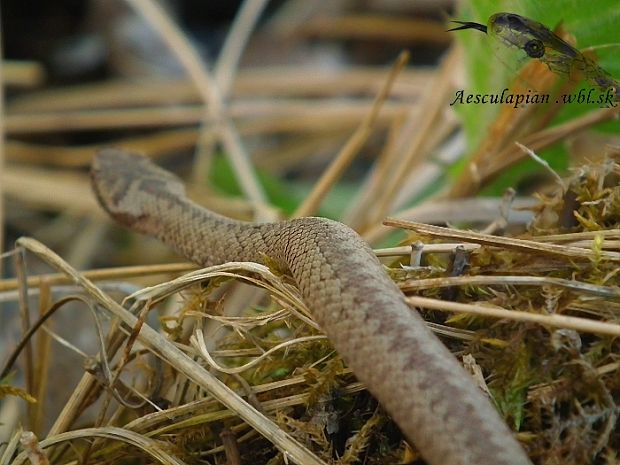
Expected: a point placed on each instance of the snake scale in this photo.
(388, 346)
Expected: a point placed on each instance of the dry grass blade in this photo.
(198, 342)
(433, 283)
(43, 356)
(497, 241)
(236, 270)
(477, 209)
(541, 162)
(256, 117)
(282, 81)
(10, 448)
(353, 145)
(189, 58)
(22, 73)
(228, 60)
(177, 413)
(426, 248)
(2, 154)
(231, 270)
(410, 149)
(544, 138)
(53, 279)
(33, 329)
(384, 28)
(224, 74)
(169, 353)
(154, 145)
(24, 312)
(580, 236)
(552, 321)
(502, 157)
(150, 447)
(33, 186)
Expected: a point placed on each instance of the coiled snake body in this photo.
(388, 346)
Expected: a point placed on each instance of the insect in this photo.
(539, 42)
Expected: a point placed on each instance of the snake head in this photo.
(127, 185)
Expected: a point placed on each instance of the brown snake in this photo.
(415, 378)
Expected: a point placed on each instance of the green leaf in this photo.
(282, 194)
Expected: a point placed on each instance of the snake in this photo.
(415, 378)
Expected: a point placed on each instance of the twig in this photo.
(486, 239)
(432, 283)
(554, 321)
(580, 236)
(478, 209)
(426, 248)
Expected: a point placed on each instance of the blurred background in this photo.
(296, 85)
(84, 75)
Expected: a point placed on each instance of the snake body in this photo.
(364, 314)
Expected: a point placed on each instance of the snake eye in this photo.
(534, 48)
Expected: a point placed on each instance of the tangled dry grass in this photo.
(226, 364)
